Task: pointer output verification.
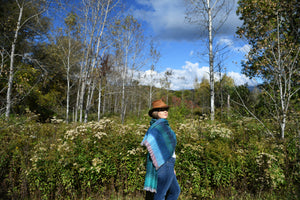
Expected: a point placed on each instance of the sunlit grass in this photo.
(104, 160)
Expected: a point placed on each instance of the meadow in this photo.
(228, 159)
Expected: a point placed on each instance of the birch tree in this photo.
(155, 56)
(23, 19)
(102, 71)
(96, 15)
(211, 14)
(271, 27)
(69, 51)
(127, 45)
(166, 82)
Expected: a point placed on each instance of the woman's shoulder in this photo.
(159, 123)
(163, 121)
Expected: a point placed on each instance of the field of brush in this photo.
(233, 159)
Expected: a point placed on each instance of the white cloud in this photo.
(241, 79)
(234, 45)
(226, 42)
(184, 78)
(244, 49)
(167, 19)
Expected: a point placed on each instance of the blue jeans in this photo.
(167, 182)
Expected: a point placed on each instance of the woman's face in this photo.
(162, 113)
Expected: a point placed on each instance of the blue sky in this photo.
(179, 42)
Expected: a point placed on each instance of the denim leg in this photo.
(174, 190)
(167, 182)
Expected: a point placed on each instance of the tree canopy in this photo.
(260, 25)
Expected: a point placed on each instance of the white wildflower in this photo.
(99, 135)
(96, 162)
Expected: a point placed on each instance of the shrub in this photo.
(97, 160)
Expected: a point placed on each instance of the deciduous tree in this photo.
(95, 16)
(69, 51)
(272, 29)
(128, 45)
(21, 21)
(211, 14)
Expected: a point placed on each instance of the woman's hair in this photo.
(155, 114)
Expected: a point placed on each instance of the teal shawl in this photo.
(160, 141)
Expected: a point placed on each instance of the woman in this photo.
(160, 141)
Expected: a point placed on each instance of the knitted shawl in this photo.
(160, 141)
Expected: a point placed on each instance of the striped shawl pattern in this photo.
(160, 141)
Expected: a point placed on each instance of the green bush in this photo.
(98, 160)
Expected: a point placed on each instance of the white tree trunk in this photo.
(90, 95)
(77, 99)
(99, 100)
(228, 103)
(100, 13)
(123, 110)
(151, 88)
(11, 67)
(211, 14)
(211, 65)
(68, 80)
(81, 95)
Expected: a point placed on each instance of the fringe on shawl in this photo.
(152, 164)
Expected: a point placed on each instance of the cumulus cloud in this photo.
(244, 49)
(167, 19)
(185, 77)
(241, 79)
(225, 41)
